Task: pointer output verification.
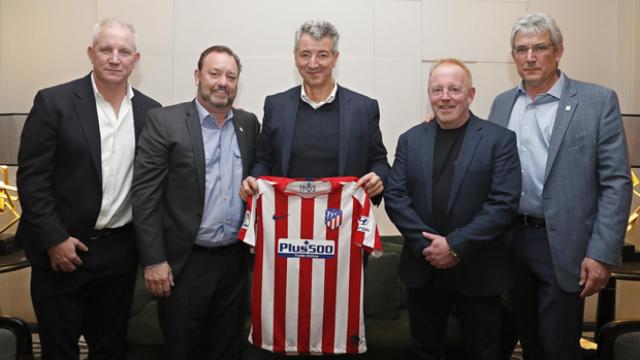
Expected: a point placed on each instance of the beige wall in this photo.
(386, 49)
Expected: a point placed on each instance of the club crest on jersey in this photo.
(298, 248)
(363, 224)
(333, 218)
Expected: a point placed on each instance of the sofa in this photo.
(385, 309)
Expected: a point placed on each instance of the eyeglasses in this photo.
(536, 49)
(439, 91)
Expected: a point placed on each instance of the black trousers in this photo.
(431, 306)
(548, 319)
(93, 301)
(205, 315)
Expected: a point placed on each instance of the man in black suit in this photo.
(452, 192)
(74, 178)
(190, 162)
(320, 129)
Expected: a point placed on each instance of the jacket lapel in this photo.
(504, 107)
(288, 127)
(564, 115)
(472, 137)
(87, 115)
(427, 145)
(139, 115)
(345, 128)
(194, 131)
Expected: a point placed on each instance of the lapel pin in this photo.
(241, 129)
(567, 108)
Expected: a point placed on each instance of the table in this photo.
(607, 299)
(13, 261)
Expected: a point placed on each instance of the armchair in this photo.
(619, 340)
(15, 339)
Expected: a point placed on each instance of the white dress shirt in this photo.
(316, 105)
(117, 145)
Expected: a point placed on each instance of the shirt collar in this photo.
(97, 94)
(316, 105)
(203, 113)
(556, 89)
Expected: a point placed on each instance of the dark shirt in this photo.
(316, 141)
(447, 147)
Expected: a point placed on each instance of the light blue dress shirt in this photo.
(532, 121)
(223, 208)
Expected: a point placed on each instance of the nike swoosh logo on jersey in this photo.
(280, 217)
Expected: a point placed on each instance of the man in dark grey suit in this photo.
(576, 190)
(74, 177)
(189, 165)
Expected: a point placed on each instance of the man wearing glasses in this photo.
(576, 190)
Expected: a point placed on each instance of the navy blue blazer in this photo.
(361, 147)
(482, 204)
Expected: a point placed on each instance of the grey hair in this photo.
(318, 30)
(100, 25)
(537, 23)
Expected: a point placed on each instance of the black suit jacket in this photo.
(361, 147)
(169, 180)
(482, 204)
(60, 170)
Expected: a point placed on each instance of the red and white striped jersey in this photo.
(309, 237)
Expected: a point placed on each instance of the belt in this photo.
(102, 233)
(531, 221)
(214, 249)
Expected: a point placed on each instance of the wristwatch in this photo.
(453, 253)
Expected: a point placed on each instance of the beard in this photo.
(214, 98)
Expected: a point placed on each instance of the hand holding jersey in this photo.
(309, 238)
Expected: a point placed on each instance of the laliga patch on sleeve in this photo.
(364, 225)
(247, 220)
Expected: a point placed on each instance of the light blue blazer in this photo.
(587, 185)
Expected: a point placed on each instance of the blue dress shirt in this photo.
(532, 121)
(223, 208)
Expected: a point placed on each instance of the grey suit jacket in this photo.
(169, 180)
(587, 185)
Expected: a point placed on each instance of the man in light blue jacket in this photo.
(576, 190)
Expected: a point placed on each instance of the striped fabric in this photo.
(309, 237)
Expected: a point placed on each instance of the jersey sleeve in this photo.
(247, 233)
(366, 233)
